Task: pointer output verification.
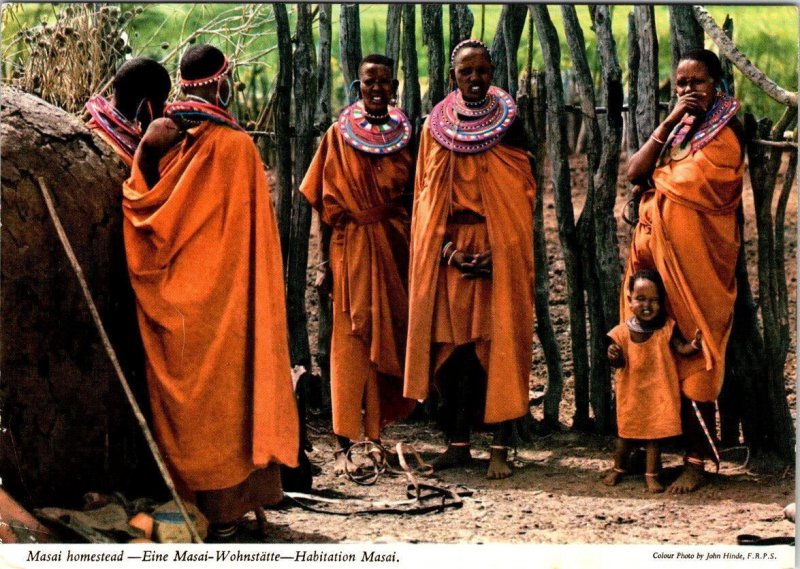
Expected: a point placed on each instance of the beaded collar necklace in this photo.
(471, 128)
(634, 325)
(720, 113)
(124, 134)
(387, 138)
(194, 112)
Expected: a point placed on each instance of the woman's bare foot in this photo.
(613, 477)
(653, 485)
(456, 455)
(498, 464)
(690, 480)
(341, 464)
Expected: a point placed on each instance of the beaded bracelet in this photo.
(447, 248)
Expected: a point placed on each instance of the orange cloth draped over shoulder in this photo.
(358, 194)
(688, 231)
(500, 178)
(205, 264)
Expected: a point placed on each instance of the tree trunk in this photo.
(727, 67)
(559, 156)
(65, 425)
(647, 87)
(324, 80)
(606, 253)
(633, 86)
(505, 45)
(349, 46)
(532, 104)
(283, 142)
(393, 17)
(324, 117)
(461, 22)
(771, 395)
(305, 83)
(599, 395)
(412, 104)
(433, 38)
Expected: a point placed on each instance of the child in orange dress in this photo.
(648, 393)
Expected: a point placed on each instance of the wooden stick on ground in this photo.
(148, 435)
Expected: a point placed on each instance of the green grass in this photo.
(768, 35)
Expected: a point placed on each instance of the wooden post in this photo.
(305, 86)
(647, 87)
(433, 38)
(505, 45)
(599, 380)
(727, 66)
(324, 119)
(532, 104)
(412, 104)
(770, 396)
(685, 35)
(559, 156)
(606, 254)
(393, 18)
(324, 81)
(461, 22)
(633, 86)
(283, 143)
(349, 45)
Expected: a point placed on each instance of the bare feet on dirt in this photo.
(498, 464)
(653, 485)
(341, 464)
(453, 457)
(613, 477)
(690, 480)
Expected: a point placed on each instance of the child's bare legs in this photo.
(653, 467)
(620, 463)
(693, 475)
(498, 453)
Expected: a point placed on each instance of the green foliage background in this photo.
(768, 35)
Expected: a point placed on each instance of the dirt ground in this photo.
(555, 495)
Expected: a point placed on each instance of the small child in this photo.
(648, 394)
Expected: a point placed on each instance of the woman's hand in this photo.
(694, 103)
(473, 266)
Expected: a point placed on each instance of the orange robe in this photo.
(648, 396)
(446, 310)
(205, 264)
(689, 233)
(358, 194)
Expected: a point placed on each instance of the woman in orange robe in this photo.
(356, 181)
(205, 264)
(688, 231)
(471, 272)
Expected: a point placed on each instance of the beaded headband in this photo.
(207, 80)
(468, 43)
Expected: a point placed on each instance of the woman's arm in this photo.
(682, 347)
